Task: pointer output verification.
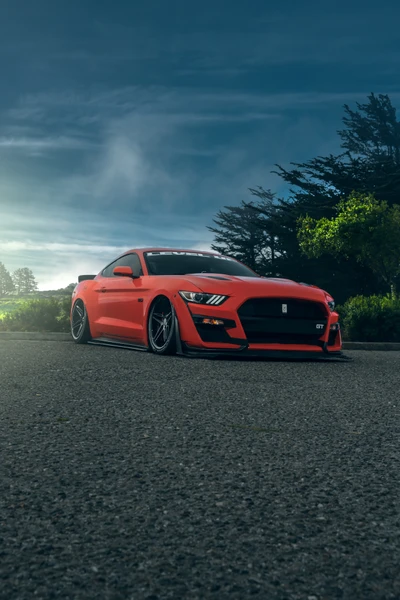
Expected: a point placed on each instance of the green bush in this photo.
(46, 314)
(9, 304)
(370, 319)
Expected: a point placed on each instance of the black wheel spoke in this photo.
(160, 330)
(78, 321)
(77, 325)
(160, 324)
(80, 328)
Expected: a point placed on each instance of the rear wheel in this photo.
(161, 327)
(80, 329)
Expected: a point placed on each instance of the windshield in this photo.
(177, 263)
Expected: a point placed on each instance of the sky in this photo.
(127, 124)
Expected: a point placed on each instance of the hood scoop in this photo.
(215, 277)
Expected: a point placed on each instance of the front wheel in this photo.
(161, 327)
(80, 329)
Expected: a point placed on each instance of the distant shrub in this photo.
(9, 304)
(45, 314)
(370, 319)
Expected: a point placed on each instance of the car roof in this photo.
(142, 250)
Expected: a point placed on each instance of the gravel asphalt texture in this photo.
(128, 476)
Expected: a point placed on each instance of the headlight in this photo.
(200, 298)
(331, 304)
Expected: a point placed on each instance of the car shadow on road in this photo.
(229, 358)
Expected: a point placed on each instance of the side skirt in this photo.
(117, 344)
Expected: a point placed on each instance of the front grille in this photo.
(264, 321)
(272, 307)
(262, 337)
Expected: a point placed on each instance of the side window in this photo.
(129, 260)
(108, 271)
(134, 262)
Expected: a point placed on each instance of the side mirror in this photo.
(124, 272)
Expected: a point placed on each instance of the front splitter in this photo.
(243, 352)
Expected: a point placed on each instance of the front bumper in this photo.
(244, 349)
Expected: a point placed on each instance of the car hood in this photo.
(216, 283)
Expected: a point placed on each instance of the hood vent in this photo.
(214, 277)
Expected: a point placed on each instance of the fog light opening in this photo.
(212, 322)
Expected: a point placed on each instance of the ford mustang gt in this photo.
(192, 303)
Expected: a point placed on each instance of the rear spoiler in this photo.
(85, 277)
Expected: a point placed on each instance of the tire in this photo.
(80, 328)
(161, 327)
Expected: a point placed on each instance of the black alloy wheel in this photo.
(161, 327)
(80, 329)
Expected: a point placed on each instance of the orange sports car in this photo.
(192, 303)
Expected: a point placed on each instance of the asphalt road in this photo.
(124, 475)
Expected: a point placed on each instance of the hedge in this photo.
(370, 319)
(45, 314)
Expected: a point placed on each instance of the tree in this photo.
(279, 232)
(341, 277)
(370, 162)
(364, 228)
(6, 282)
(24, 281)
(245, 235)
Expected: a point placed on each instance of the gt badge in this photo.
(284, 308)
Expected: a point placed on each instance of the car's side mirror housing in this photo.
(124, 272)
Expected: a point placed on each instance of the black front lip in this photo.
(244, 352)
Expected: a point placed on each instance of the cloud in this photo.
(121, 168)
(159, 149)
(44, 143)
(136, 154)
(179, 104)
(60, 248)
(288, 34)
(156, 165)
